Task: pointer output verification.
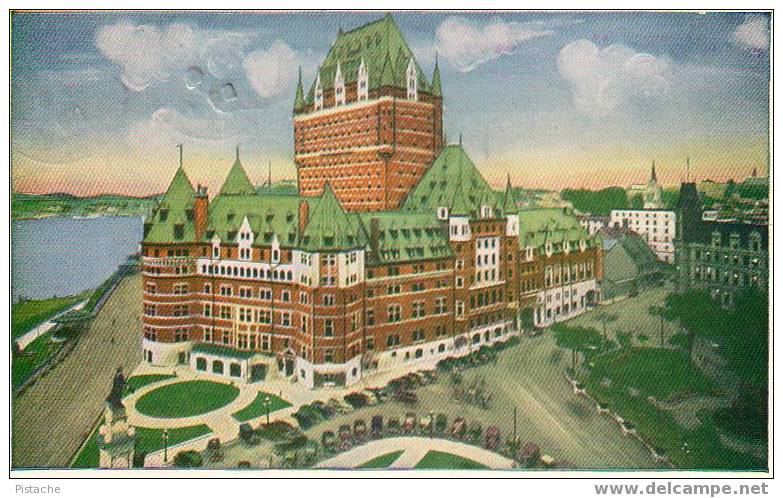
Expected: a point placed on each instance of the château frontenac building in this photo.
(395, 251)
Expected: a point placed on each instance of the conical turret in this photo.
(436, 90)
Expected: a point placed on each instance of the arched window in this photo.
(412, 77)
(201, 364)
(217, 367)
(362, 83)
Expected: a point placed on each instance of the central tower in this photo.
(371, 123)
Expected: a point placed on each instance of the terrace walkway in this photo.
(56, 414)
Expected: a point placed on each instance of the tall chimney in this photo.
(200, 211)
(374, 233)
(304, 215)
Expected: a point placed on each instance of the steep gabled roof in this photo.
(404, 236)
(452, 181)
(269, 215)
(171, 211)
(552, 225)
(384, 50)
(330, 227)
(237, 181)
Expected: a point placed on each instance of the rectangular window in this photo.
(394, 313)
(328, 327)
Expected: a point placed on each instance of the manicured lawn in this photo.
(34, 355)
(186, 399)
(382, 461)
(26, 315)
(150, 440)
(655, 372)
(257, 408)
(88, 457)
(440, 460)
(138, 381)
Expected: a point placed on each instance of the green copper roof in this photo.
(172, 211)
(299, 99)
(509, 203)
(405, 236)
(538, 227)
(382, 47)
(452, 181)
(269, 216)
(237, 181)
(330, 227)
(436, 90)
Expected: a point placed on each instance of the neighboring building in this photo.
(371, 123)
(255, 285)
(722, 256)
(629, 264)
(656, 227)
(593, 224)
(653, 197)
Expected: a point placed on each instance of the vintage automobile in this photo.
(409, 425)
(458, 428)
(359, 430)
(393, 425)
(492, 438)
(376, 426)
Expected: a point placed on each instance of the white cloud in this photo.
(604, 81)
(145, 53)
(467, 44)
(271, 71)
(753, 33)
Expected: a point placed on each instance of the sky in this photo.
(560, 99)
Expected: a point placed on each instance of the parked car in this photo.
(458, 428)
(376, 425)
(410, 422)
(474, 432)
(492, 438)
(441, 422)
(328, 441)
(547, 462)
(425, 424)
(393, 425)
(359, 430)
(529, 454)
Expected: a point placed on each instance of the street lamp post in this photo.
(165, 445)
(267, 400)
(432, 424)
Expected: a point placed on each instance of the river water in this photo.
(64, 256)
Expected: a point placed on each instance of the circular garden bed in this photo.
(186, 399)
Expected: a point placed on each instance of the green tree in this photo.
(606, 317)
(577, 339)
(636, 202)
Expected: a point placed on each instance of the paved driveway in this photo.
(54, 416)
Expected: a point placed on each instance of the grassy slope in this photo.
(662, 373)
(29, 314)
(35, 354)
(186, 399)
(257, 408)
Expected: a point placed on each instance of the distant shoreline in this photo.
(48, 216)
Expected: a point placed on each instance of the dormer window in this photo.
(715, 239)
(339, 87)
(529, 253)
(443, 213)
(319, 93)
(548, 249)
(362, 83)
(412, 77)
(179, 231)
(163, 214)
(486, 211)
